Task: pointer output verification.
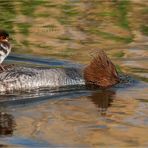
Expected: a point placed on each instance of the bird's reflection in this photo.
(102, 100)
(7, 124)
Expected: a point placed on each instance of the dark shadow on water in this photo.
(7, 124)
(102, 100)
(40, 96)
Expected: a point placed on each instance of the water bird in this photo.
(101, 73)
(5, 47)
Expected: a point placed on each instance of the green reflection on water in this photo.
(71, 29)
(122, 10)
(144, 29)
(89, 18)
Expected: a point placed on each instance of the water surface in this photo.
(74, 117)
(72, 30)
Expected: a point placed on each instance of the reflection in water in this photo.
(69, 29)
(7, 124)
(102, 100)
(79, 120)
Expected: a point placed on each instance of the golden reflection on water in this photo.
(71, 29)
(67, 29)
(103, 118)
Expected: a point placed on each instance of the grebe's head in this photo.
(101, 72)
(4, 35)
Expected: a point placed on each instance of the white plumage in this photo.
(5, 49)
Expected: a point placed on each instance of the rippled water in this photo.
(71, 29)
(74, 118)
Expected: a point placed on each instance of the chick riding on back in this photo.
(5, 47)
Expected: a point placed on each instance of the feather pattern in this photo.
(100, 72)
(5, 49)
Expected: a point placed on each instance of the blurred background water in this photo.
(72, 30)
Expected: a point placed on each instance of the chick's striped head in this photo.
(4, 35)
